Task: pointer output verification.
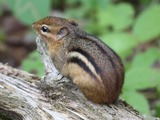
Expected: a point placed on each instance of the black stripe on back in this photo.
(116, 73)
(113, 65)
(92, 38)
(82, 65)
(100, 48)
(89, 58)
(84, 35)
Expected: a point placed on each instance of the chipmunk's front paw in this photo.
(49, 81)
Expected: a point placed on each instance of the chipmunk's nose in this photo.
(33, 25)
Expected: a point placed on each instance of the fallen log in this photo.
(22, 99)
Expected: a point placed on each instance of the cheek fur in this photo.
(44, 38)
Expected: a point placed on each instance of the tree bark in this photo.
(23, 97)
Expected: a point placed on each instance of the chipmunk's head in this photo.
(53, 28)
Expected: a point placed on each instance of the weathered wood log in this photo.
(21, 98)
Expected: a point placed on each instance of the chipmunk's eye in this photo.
(45, 29)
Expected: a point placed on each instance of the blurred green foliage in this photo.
(33, 64)
(120, 28)
(2, 35)
(28, 11)
(123, 43)
(147, 25)
(141, 76)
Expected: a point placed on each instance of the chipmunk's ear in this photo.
(61, 33)
(73, 22)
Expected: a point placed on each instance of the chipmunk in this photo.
(93, 66)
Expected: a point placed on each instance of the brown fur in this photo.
(95, 68)
(87, 84)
